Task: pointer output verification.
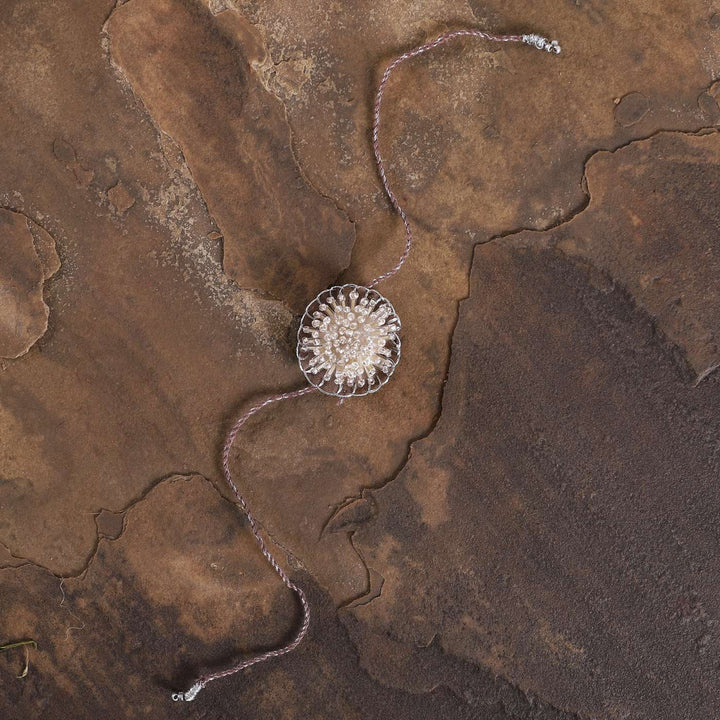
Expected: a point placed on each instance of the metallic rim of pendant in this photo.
(318, 379)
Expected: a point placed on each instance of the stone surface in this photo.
(558, 526)
(228, 126)
(650, 225)
(171, 598)
(202, 169)
(27, 259)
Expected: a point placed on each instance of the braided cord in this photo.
(537, 41)
(202, 681)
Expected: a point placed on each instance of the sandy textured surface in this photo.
(523, 523)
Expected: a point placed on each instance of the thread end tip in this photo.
(188, 695)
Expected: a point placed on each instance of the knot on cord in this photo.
(542, 43)
(190, 694)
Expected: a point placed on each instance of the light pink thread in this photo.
(376, 125)
(202, 681)
(539, 42)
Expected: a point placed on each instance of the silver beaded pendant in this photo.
(348, 341)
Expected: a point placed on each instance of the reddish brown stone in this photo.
(631, 109)
(185, 590)
(651, 225)
(241, 132)
(279, 234)
(558, 526)
(25, 264)
(120, 198)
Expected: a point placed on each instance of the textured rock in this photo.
(651, 226)
(229, 127)
(558, 526)
(191, 592)
(203, 169)
(118, 394)
(27, 259)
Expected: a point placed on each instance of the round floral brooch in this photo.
(348, 341)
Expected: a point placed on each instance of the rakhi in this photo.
(348, 345)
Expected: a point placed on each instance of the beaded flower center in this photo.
(348, 342)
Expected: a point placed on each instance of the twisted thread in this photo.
(202, 681)
(534, 40)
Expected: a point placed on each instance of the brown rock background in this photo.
(523, 523)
